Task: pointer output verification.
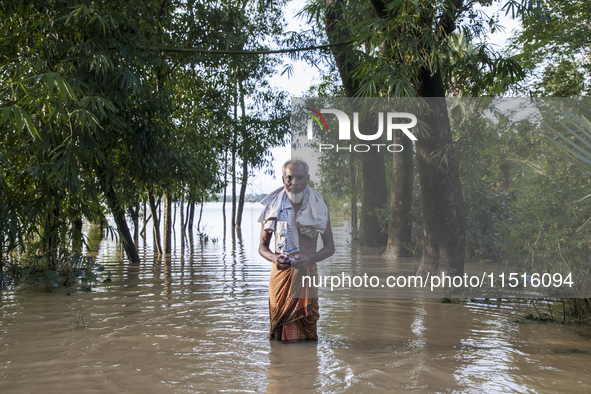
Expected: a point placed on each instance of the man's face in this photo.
(295, 178)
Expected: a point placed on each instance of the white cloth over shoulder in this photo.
(277, 217)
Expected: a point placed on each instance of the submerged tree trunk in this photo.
(200, 215)
(242, 197)
(135, 218)
(191, 216)
(374, 195)
(1, 252)
(234, 143)
(167, 223)
(119, 217)
(145, 219)
(400, 226)
(174, 218)
(353, 186)
(156, 218)
(50, 233)
(182, 211)
(244, 181)
(187, 217)
(233, 220)
(374, 199)
(441, 190)
(76, 236)
(173, 227)
(225, 189)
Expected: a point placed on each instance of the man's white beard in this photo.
(296, 198)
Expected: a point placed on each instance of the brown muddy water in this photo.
(197, 322)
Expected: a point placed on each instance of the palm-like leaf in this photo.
(574, 144)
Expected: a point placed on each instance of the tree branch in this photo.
(241, 52)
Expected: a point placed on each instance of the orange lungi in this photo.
(292, 306)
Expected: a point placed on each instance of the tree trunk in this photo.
(400, 226)
(234, 143)
(167, 223)
(187, 217)
(119, 217)
(145, 219)
(1, 252)
(143, 231)
(76, 236)
(225, 187)
(182, 211)
(173, 227)
(244, 181)
(156, 218)
(52, 239)
(200, 214)
(242, 197)
(233, 221)
(135, 218)
(174, 218)
(374, 194)
(336, 31)
(191, 216)
(441, 190)
(353, 185)
(374, 198)
(102, 224)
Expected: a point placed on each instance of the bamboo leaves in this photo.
(20, 119)
(574, 144)
(90, 114)
(575, 141)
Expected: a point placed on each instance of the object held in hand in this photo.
(295, 257)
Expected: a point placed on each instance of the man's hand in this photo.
(282, 261)
(303, 262)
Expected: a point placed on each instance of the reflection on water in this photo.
(197, 322)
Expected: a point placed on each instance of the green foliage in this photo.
(71, 269)
(393, 40)
(486, 210)
(476, 69)
(91, 111)
(539, 228)
(569, 132)
(555, 49)
(520, 195)
(393, 49)
(572, 136)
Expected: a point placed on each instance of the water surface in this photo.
(197, 322)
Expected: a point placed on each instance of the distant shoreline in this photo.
(247, 198)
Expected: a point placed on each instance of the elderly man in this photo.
(297, 215)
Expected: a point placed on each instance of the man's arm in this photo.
(280, 260)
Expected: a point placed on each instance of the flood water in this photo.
(197, 322)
